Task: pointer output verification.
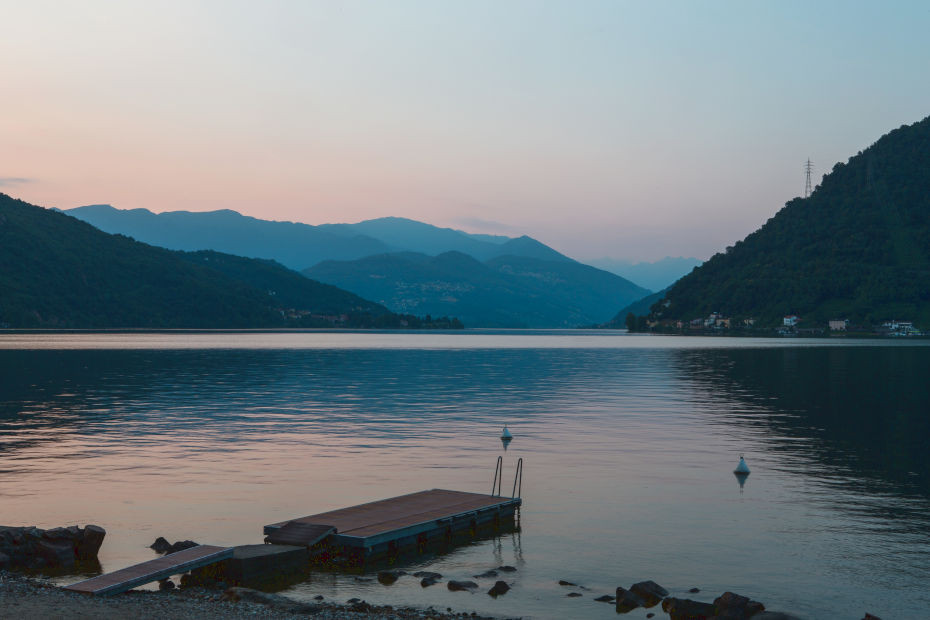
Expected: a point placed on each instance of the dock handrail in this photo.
(498, 477)
(518, 476)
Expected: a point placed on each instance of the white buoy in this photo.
(505, 434)
(742, 467)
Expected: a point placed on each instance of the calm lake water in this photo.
(629, 444)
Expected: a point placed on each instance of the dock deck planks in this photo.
(374, 521)
(153, 570)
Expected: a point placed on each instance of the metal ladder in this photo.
(499, 478)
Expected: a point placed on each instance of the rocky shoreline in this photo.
(68, 549)
(23, 596)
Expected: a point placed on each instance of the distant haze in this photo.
(630, 130)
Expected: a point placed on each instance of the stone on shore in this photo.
(58, 548)
(499, 587)
(651, 592)
(274, 601)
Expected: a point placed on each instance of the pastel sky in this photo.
(624, 129)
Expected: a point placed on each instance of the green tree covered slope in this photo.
(857, 248)
(57, 271)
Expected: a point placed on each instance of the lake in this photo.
(629, 443)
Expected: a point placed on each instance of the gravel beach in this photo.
(25, 597)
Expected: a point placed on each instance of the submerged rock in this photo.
(562, 582)
(607, 598)
(730, 605)
(458, 586)
(160, 545)
(486, 574)
(686, 609)
(507, 569)
(428, 581)
(574, 594)
(387, 577)
(649, 591)
(425, 574)
(499, 587)
(627, 601)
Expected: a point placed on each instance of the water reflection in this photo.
(629, 454)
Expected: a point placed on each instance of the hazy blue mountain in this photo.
(506, 291)
(655, 275)
(292, 244)
(299, 246)
(414, 236)
(57, 271)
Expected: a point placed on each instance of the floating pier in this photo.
(386, 527)
(153, 570)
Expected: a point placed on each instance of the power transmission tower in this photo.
(808, 168)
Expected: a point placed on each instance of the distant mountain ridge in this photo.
(59, 272)
(295, 245)
(504, 291)
(656, 275)
(858, 248)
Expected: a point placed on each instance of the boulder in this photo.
(387, 577)
(56, 553)
(732, 606)
(181, 545)
(562, 582)
(428, 581)
(869, 616)
(686, 609)
(606, 599)
(651, 592)
(499, 587)
(458, 586)
(160, 545)
(627, 601)
(90, 542)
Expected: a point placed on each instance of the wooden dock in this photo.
(153, 570)
(388, 524)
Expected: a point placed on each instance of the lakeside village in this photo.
(792, 325)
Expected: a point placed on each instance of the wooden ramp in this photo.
(153, 570)
(300, 533)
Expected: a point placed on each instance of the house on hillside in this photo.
(839, 325)
(791, 320)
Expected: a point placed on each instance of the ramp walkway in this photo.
(153, 570)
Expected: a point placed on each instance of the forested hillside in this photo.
(858, 248)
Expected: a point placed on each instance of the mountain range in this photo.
(858, 248)
(485, 280)
(59, 272)
(655, 275)
(505, 291)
